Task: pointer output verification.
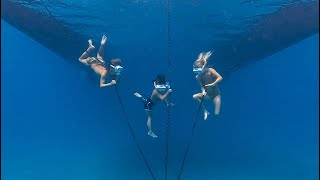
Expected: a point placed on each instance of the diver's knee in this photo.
(195, 96)
(217, 99)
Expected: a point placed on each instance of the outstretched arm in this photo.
(103, 79)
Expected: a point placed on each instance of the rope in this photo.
(52, 17)
(42, 3)
(192, 133)
(120, 101)
(167, 129)
(132, 133)
(194, 125)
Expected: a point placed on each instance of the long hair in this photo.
(198, 64)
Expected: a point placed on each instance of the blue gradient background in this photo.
(58, 124)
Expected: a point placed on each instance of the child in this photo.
(160, 93)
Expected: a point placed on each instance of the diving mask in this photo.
(117, 69)
(198, 70)
(162, 87)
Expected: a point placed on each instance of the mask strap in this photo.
(115, 66)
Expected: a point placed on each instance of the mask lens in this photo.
(161, 88)
(117, 69)
(197, 70)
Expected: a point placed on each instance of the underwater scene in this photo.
(159, 90)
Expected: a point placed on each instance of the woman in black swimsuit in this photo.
(208, 79)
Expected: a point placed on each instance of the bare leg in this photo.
(150, 132)
(197, 97)
(86, 53)
(101, 49)
(217, 105)
(149, 122)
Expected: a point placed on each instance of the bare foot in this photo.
(103, 40)
(206, 114)
(150, 133)
(90, 44)
(138, 95)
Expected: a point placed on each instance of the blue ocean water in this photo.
(58, 124)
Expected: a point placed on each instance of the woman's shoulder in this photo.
(210, 69)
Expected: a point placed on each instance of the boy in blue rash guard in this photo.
(160, 93)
